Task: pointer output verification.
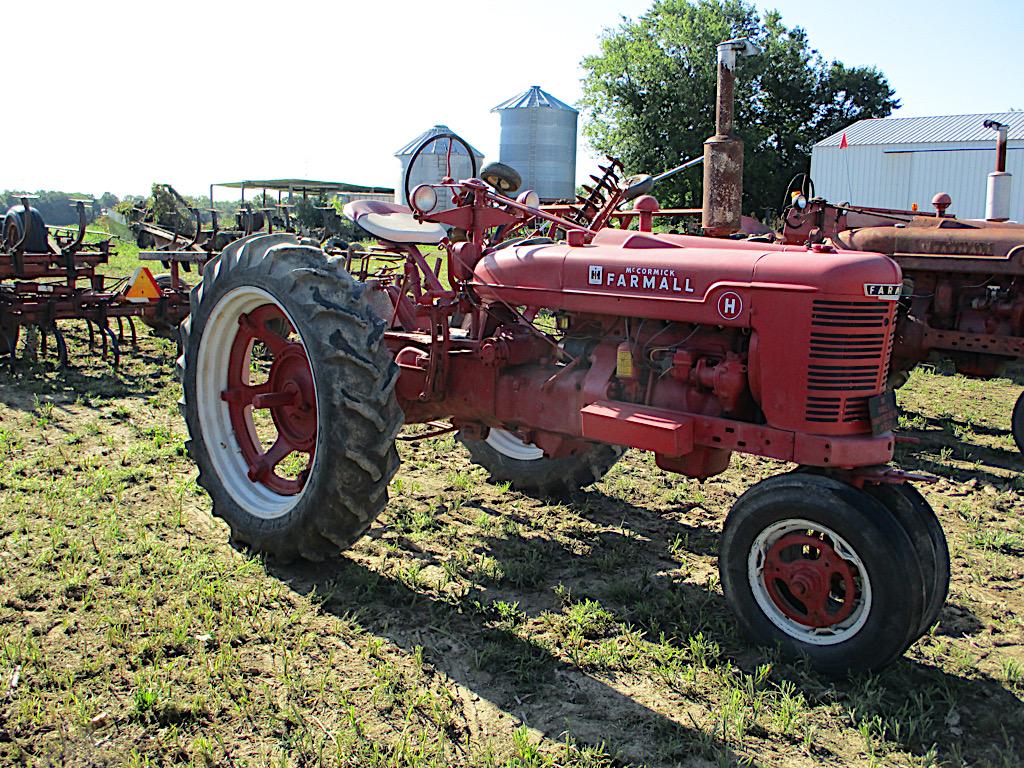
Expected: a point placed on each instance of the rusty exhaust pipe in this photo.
(723, 152)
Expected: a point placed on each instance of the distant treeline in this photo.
(57, 207)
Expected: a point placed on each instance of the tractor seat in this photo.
(393, 222)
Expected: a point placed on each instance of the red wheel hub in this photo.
(808, 580)
(288, 393)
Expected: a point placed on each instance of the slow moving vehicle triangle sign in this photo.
(142, 287)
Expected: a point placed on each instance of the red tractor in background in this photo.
(549, 357)
(963, 294)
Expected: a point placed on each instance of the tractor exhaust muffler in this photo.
(723, 152)
(997, 197)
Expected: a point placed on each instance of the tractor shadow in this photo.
(947, 424)
(640, 573)
(87, 374)
(463, 638)
(928, 458)
(937, 446)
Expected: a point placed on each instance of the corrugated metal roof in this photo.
(439, 147)
(302, 185)
(915, 130)
(532, 98)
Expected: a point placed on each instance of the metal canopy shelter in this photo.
(291, 186)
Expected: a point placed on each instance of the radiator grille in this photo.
(849, 351)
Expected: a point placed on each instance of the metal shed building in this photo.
(896, 162)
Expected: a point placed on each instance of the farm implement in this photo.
(49, 275)
(549, 345)
(184, 252)
(962, 296)
(178, 253)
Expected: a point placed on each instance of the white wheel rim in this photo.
(832, 635)
(218, 434)
(507, 444)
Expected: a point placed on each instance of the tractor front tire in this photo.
(509, 460)
(916, 516)
(329, 392)
(822, 571)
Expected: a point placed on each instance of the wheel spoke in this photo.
(274, 341)
(265, 464)
(256, 324)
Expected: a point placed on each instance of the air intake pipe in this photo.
(723, 152)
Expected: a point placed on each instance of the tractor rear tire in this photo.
(339, 375)
(821, 570)
(1017, 423)
(509, 460)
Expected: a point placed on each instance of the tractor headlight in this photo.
(529, 198)
(424, 198)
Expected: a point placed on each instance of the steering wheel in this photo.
(426, 143)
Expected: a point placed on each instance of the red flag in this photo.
(843, 143)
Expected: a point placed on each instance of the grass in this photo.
(473, 626)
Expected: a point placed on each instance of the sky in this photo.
(112, 96)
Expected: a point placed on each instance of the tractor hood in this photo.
(930, 236)
(676, 277)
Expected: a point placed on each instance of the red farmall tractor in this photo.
(550, 357)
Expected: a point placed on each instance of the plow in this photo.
(549, 344)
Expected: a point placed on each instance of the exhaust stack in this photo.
(997, 199)
(723, 152)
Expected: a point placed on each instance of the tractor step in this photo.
(638, 426)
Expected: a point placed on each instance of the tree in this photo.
(649, 96)
(56, 208)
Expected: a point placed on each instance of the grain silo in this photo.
(432, 163)
(538, 139)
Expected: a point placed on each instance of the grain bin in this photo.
(538, 139)
(432, 163)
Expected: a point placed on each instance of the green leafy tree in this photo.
(107, 200)
(649, 96)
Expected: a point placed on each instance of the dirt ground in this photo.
(473, 625)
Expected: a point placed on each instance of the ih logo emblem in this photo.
(596, 275)
(730, 305)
